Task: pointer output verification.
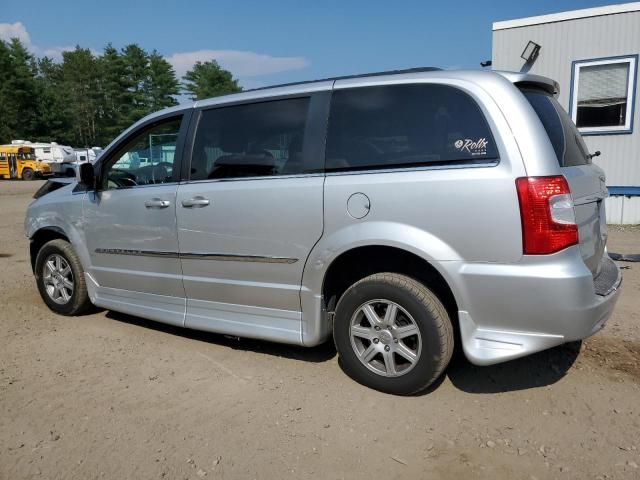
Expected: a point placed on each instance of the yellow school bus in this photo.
(19, 161)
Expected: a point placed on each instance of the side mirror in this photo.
(87, 175)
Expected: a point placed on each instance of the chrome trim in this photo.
(137, 253)
(489, 164)
(223, 257)
(220, 257)
(264, 177)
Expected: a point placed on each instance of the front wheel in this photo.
(392, 334)
(27, 174)
(60, 278)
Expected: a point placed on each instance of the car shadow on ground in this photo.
(537, 370)
(321, 353)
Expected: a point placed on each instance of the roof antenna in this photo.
(486, 63)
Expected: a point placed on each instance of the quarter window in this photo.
(250, 140)
(405, 126)
(603, 92)
(149, 158)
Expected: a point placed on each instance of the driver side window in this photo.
(148, 159)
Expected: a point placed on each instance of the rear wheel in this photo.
(392, 334)
(27, 174)
(60, 278)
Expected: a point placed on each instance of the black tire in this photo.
(78, 301)
(428, 314)
(27, 174)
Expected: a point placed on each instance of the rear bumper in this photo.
(509, 311)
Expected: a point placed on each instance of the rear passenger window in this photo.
(251, 140)
(564, 136)
(404, 126)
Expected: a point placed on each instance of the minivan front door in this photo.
(250, 215)
(130, 225)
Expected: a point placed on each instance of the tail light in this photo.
(547, 215)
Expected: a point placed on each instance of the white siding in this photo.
(585, 38)
(622, 209)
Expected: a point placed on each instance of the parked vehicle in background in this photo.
(59, 157)
(386, 211)
(20, 162)
(84, 155)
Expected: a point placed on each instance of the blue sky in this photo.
(266, 42)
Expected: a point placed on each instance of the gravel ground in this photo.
(112, 396)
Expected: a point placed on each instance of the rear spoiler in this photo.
(520, 79)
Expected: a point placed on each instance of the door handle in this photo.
(157, 203)
(195, 202)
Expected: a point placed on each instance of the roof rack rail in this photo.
(346, 77)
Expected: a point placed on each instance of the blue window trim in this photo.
(626, 191)
(633, 95)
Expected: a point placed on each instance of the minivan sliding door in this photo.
(250, 214)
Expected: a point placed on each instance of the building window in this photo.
(603, 95)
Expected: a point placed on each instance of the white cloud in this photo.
(239, 62)
(18, 30)
(14, 30)
(55, 52)
(242, 64)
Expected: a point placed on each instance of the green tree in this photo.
(7, 125)
(54, 121)
(136, 68)
(80, 90)
(84, 100)
(18, 91)
(116, 87)
(208, 79)
(162, 84)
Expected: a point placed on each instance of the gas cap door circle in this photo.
(358, 205)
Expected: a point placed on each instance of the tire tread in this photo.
(81, 302)
(431, 303)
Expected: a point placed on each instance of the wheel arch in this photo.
(392, 240)
(360, 262)
(42, 236)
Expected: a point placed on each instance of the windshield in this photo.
(26, 155)
(566, 139)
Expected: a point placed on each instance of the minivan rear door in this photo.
(586, 180)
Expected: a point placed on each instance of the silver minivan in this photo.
(401, 214)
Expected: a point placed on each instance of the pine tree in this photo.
(162, 84)
(18, 91)
(54, 122)
(208, 79)
(80, 90)
(136, 67)
(116, 88)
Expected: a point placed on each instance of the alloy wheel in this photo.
(385, 338)
(58, 279)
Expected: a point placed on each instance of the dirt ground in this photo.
(113, 396)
